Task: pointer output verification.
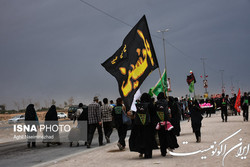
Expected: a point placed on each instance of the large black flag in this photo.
(133, 61)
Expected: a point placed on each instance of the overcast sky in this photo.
(53, 49)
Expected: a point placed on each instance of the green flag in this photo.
(158, 87)
(191, 87)
(150, 92)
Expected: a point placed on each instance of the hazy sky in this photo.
(53, 49)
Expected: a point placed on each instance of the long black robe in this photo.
(142, 137)
(176, 117)
(51, 120)
(196, 118)
(167, 138)
(31, 120)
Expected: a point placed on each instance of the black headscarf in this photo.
(51, 115)
(146, 98)
(161, 96)
(30, 113)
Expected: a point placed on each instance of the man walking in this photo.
(107, 119)
(224, 102)
(245, 106)
(94, 121)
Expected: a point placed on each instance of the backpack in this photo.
(118, 110)
(161, 111)
(245, 102)
(142, 116)
(224, 102)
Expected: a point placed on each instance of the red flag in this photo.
(237, 102)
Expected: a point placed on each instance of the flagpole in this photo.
(194, 93)
(161, 81)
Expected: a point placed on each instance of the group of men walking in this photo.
(225, 103)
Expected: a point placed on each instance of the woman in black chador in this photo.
(196, 119)
(175, 115)
(31, 120)
(51, 130)
(165, 132)
(142, 138)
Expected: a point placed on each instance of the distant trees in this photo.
(17, 105)
(53, 102)
(37, 105)
(71, 101)
(24, 103)
(2, 107)
(20, 106)
(65, 104)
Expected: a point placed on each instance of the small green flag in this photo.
(191, 87)
(150, 92)
(158, 87)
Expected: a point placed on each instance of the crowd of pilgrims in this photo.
(155, 124)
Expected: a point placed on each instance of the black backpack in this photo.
(161, 111)
(142, 116)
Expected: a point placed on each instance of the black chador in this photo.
(31, 119)
(51, 135)
(142, 138)
(196, 119)
(175, 115)
(166, 137)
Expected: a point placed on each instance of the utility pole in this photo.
(205, 76)
(232, 86)
(163, 39)
(222, 82)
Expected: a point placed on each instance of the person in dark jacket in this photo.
(245, 105)
(82, 121)
(31, 120)
(142, 138)
(120, 126)
(224, 103)
(232, 102)
(51, 120)
(196, 118)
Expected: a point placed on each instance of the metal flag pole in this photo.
(161, 81)
(194, 93)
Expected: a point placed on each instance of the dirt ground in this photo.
(222, 144)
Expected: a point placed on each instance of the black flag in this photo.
(133, 61)
(191, 78)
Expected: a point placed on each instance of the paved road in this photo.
(17, 154)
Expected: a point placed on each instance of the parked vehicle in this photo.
(61, 115)
(16, 119)
(71, 111)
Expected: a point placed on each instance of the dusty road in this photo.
(14, 154)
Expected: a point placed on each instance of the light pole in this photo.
(232, 86)
(163, 39)
(205, 76)
(222, 82)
